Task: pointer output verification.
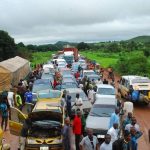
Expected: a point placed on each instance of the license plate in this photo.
(44, 148)
(101, 136)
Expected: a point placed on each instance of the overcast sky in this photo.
(49, 21)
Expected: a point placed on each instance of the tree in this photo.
(7, 46)
(113, 47)
(82, 46)
(146, 52)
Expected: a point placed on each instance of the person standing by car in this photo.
(78, 102)
(91, 93)
(113, 131)
(77, 129)
(107, 144)
(114, 118)
(66, 132)
(123, 143)
(90, 142)
(4, 111)
(68, 106)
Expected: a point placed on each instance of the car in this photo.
(83, 63)
(48, 76)
(86, 103)
(69, 83)
(130, 84)
(88, 72)
(69, 76)
(105, 90)
(61, 65)
(47, 120)
(93, 76)
(75, 66)
(99, 116)
(39, 85)
(65, 71)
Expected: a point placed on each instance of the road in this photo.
(141, 112)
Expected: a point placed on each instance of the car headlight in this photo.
(57, 141)
(31, 141)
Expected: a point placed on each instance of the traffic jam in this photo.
(71, 103)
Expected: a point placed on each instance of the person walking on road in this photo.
(127, 120)
(134, 137)
(4, 111)
(18, 101)
(113, 131)
(78, 102)
(114, 118)
(77, 129)
(123, 143)
(68, 106)
(91, 94)
(66, 132)
(107, 144)
(90, 142)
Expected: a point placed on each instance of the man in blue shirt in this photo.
(114, 118)
(28, 96)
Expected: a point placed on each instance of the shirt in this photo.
(28, 96)
(136, 126)
(114, 134)
(105, 146)
(113, 119)
(87, 144)
(78, 101)
(91, 95)
(3, 108)
(77, 125)
(10, 98)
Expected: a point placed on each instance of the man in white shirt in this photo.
(107, 144)
(10, 98)
(91, 94)
(113, 131)
(90, 142)
(78, 102)
(132, 124)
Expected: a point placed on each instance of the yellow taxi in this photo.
(47, 119)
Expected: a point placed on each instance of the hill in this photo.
(143, 39)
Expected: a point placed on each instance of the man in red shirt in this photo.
(77, 129)
(77, 75)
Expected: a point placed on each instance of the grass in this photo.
(41, 57)
(104, 59)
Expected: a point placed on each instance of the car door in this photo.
(16, 121)
(125, 88)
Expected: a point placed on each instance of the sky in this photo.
(48, 21)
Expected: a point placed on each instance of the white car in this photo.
(105, 90)
(99, 116)
(88, 72)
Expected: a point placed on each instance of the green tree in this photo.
(82, 46)
(7, 46)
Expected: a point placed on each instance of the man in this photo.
(89, 142)
(78, 102)
(105, 81)
(114, 118)
(66, 135)
(127, 120)
(18, 101)
(91, 93)
(68, 105)
(113, 131)
(134, 137)
(10, 98)
(107, 144)
(124, 143)
(132, 124)
(28, 96)
(77, 129)
(24, 132)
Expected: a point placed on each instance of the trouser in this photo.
(22, 143)
(77, 141)
(4, 119)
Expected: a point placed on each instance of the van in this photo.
(135, 85)
(47, 121)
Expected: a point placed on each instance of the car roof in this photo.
(68, 80)
(106, 101)
(65, 69)
(93, 75)
(104, 86)
(74, 90)
(88, 71)
(131, 77)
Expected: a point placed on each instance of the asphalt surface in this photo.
(141, 112)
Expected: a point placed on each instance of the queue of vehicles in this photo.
(47, 114)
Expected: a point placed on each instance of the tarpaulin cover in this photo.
(12, 70)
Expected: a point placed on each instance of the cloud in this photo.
(47, 21)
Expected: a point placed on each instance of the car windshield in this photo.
(47, 76)
(66, 72)
(51, 94)
(141, 81)
(68, 85)
(88, 73)
(106, 91)
(73, 96)
(99, 110)
(41, 81)
(39, 87)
